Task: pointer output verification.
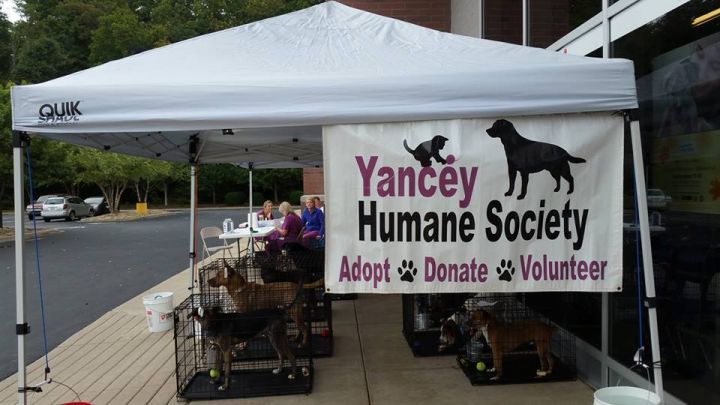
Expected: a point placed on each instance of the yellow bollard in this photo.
(141, 208)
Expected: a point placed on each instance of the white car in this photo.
(68, 207)
(657, 199)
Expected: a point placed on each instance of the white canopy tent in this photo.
(259, 94)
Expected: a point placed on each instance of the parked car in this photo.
(98, 204)
(657, 199)
(35, 209)
(68, 207)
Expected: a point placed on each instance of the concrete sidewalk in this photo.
(115, 360)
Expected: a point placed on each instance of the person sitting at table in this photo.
(288, 231)
(319, 204)
(314, 221)
(265, 212)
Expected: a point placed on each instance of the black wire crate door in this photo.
(225, 354)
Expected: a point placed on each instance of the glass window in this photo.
(678, 80)
(503, 20)
(51, 201)
(550, 20)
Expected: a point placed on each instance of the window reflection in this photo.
(678, 69)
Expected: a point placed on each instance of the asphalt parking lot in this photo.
(89, 268)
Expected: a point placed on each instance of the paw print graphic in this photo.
(407, 271)
(505, 270)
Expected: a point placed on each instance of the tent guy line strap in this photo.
(37, 261)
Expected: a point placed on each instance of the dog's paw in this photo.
(222, 388)
(291, 376)
(505, 270)
(277, 371)
(540, 373)
(407, 271)
(305, 372)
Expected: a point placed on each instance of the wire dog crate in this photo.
(519, 345)
(422, 319)
(297, 265)
(223, 354)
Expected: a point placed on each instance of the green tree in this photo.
(55, 38)
(6, 169)
(111, 172)
(212, 177)
(147, 173)
(118, 35)
(171, 173)
(278, 179)
(5, 48)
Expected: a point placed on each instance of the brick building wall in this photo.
(313, 181)
(549, 21)
(433, 14)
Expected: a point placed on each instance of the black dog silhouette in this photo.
(428, 149)
(526, 156)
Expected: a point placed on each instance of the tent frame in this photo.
(20, 141)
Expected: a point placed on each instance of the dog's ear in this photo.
(230, 269)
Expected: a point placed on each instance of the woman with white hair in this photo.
(288, 231)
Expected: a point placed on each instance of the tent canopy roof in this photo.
(276, 82)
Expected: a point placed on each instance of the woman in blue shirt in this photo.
(314, 221)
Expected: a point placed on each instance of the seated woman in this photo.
(289, 230)
(265, 212)
(314, 221)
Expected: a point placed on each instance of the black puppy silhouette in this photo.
(526, 156)
(428, 149)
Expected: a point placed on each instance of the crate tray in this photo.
(243, 384)
(517, 369)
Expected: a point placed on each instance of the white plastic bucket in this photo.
(625, 396)
(159, 311)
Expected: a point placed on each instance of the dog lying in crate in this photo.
(505, 337)
(307, 265)
(225, 330)
(252, 296)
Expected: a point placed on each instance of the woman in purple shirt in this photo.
(289, 230)
(266, 212)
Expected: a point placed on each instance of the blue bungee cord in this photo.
(37, 259)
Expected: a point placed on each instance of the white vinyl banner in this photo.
(475, 205)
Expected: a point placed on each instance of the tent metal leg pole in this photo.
(604, 339)
(648, 271)
(252, 240)
(21, 326)
(193, 213)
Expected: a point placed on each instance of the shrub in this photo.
(295, 197)
(258, 199)
(235, 198)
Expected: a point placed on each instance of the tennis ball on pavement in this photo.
(480, 366)
(214, 373)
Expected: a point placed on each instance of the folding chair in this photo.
(212, 233)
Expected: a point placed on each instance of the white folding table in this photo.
(240, 233)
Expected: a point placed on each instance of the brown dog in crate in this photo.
(252, 296)
(225, 330)
(505, 337)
